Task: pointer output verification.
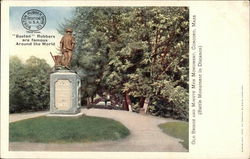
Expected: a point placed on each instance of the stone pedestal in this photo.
(65, 91)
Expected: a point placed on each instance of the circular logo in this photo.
(33, 20)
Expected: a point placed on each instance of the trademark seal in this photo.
(33, 20)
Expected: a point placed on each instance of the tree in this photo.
(29, 84)
(90, 55)
(15, 84)
(163, 74)
(138, 53)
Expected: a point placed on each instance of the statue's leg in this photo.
(65, 61)
(69, 58)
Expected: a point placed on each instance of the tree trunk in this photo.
(88, 101)
(145, 106)
(141, 102)
(128, 102)
(125, 103)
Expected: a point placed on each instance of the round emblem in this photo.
(33, 20)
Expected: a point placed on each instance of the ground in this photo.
(145, 135)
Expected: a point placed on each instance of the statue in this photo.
(65, 97)
(67, 45)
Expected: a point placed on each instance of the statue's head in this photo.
(68, 31)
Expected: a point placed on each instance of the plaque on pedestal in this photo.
(65, 92)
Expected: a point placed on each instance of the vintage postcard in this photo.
(125, 79)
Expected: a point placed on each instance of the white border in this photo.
(209, 141)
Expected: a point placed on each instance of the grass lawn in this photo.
(69, 129)
(178, 130)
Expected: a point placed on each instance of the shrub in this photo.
(29, 85)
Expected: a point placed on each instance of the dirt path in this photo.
(145, 135)
(22, 116)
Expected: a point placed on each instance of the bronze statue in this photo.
(67, 45)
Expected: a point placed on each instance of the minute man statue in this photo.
(67, 45)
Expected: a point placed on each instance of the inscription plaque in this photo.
(63, 94)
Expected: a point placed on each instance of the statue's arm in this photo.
(73, 43)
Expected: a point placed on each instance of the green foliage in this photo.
(29, 84)
(15, 84)
(62, 130)
(178, 130)
(140, 51)
(171, 102)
